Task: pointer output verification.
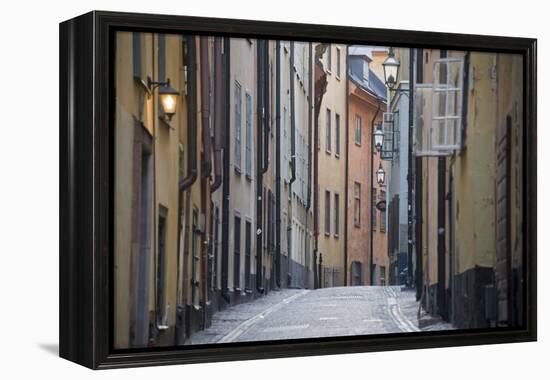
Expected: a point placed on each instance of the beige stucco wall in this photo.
(332, 169)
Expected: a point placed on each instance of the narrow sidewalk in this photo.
(226, 321)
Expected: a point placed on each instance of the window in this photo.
(447, 104)
(136, 54)
(338, 66)
(336, 215)
(438, 110)
(358, 127)
(247, 252)
(238, 121)
(327, 212)
(373, 209)
(161, 268)
(162, 58)
(382, 213)
(386, 153)
(329, 58)
(328, 132)
(382, 275)
(248, 142)
(357, 204)
(337, 135)
(237, 253)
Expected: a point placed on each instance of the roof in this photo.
(374, 85)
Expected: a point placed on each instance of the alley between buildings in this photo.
(299, 313)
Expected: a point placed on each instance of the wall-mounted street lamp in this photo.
(380, 175)
(378, 136)
(391, 70)
(168, 96)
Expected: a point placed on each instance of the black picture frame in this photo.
(86, 179)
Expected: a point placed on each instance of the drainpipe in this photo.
(226, 136)
(260, 109)
(320, 89)
(186, 183)
(278, 163)
(267, 115)
(379, 102)
(206, 168)
(218, 111)
(346, 174)
(191, 64)
(309, 127)
(410, 174)
(292, 118)
(310, 139)
(205, 108)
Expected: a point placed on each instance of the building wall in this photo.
(332, 168)
(296, 197)
(136, 257)
(364, 105)
(472, 207)
(242, 187)
(398, 188)
(380, 233)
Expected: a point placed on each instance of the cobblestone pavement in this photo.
(295, 314)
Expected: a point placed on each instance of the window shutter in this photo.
(162, 57)
(136, 53)
(387, 143)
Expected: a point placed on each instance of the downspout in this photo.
(309, 127)
(218, 110)
(320, 89)
(371, 274)
(346, 174)
(278, 163)
(410, 174)
(292, 156)
(266, 106)
(260, 109)
(310, 140)
(191, 64)
(292, 119)
(225, 183)
(206, 167)
(186, 183)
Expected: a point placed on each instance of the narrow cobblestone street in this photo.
(295, 314)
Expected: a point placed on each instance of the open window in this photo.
(422, 144)
(447, 104)
(388, 148)
(438, 110)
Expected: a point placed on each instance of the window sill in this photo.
(357, 225)
(336, 155)
(357, 143)
(249, 177)
(238, 171)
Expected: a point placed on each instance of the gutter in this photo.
(226, 136)
(278, 164)
(218, 110)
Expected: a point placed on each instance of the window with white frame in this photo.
(338, 64)
(248, 142)
(238, 121)
(447, 104)
(438, 110)
(328, 136)
(357, 129)
(337, 134)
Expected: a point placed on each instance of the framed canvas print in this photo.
(238, 189)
